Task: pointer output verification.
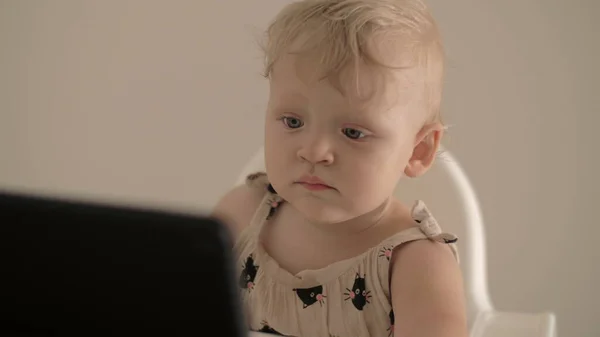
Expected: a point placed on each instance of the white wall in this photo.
(161, 102)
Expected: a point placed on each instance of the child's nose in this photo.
(318, 150)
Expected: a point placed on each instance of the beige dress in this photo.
(347, 298)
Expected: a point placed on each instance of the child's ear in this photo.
(427, 143)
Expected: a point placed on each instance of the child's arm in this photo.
(427, 291)
(237, 207)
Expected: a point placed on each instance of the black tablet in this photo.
(77, 268)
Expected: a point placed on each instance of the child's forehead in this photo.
(360, 85)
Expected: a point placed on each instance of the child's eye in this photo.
(292, 123)
(352, 133)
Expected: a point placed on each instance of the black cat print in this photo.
(358, 295)
(248, 275)
(311, 296)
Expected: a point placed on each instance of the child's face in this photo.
(359, 147)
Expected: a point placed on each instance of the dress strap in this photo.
(269, 203)
(426, 227)
(429, 226)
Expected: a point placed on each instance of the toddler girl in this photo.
(324, 249)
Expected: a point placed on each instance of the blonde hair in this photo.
(340, 30)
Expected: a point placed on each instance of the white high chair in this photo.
(448, 193)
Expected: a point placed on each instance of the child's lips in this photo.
(313, 183)
(315, 187)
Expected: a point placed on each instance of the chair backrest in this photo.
(449, 195)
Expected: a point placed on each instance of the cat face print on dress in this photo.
(248, 275)
(386, 252)
(311, 296)
(359, 295)
(267, 329)
(391, 328)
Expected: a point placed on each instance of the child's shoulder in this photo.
(238, 205)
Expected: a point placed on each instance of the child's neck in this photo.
(354, 226)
